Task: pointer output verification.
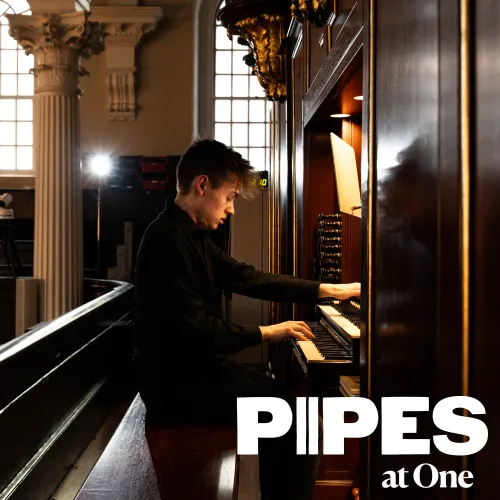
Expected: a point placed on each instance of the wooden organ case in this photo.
(326, 241)
(425, 137)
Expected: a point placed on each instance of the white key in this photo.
(310, 350)
(337, 317)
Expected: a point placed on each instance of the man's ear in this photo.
(201, 184)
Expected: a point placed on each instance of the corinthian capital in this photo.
(72, 30)
(58, 42)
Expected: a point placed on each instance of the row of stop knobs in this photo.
(329, 248)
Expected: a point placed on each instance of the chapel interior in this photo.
(374, 126)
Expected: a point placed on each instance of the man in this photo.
(185, 373)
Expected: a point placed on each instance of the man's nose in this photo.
(230, 209)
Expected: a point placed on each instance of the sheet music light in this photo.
(346, 176)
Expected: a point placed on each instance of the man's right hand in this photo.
(289, 329)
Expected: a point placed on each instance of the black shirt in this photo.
(180, 277)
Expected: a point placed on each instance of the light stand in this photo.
(101, 165)
(98, 257)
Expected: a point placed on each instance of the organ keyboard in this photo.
(335, 349)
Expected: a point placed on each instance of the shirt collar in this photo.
(180, 216)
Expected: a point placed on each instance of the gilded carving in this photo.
(314, 11)
(264, 34)
(58, 41)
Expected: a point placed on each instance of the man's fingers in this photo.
(301, 325)
(355, 289)
(299, 332)
(299, 336)
(304, 330)
(305, 325)
(349, 286)
(347, 290)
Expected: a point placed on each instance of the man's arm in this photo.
(178, 309)
(244, 279)
(175, 308)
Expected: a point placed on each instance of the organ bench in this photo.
(164, 463)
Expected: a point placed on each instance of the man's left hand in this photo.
(341, 291)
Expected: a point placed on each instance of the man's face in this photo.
(216, 204)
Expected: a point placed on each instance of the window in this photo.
(16, 96)
(241, 113)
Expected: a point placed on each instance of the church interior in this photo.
(374, 126)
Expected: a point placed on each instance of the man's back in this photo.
(171, 253)
(178, 301)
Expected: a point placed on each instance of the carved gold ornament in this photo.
(264, 34)
(314, 11)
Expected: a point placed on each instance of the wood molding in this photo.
(344, 49)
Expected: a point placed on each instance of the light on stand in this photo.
(101, 166)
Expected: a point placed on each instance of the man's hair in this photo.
(219, 163)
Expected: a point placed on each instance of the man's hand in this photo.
(339, 291)
(289, 329)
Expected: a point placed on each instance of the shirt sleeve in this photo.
(244, 279)
(183, 309)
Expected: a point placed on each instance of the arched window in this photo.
(232, 107)
(16, 97)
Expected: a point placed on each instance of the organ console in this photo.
(329, 249)
(336, 336)
(335, 349)
(423, 250)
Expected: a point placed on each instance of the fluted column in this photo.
(58, 41)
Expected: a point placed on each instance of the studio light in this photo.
(340, 115)
(100, 165)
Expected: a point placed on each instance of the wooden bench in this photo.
(164, 463)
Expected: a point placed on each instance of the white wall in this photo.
(164, 92)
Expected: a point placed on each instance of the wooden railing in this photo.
(59, 382)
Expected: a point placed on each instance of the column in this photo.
(58, 42)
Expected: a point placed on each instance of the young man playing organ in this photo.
(185, 371)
